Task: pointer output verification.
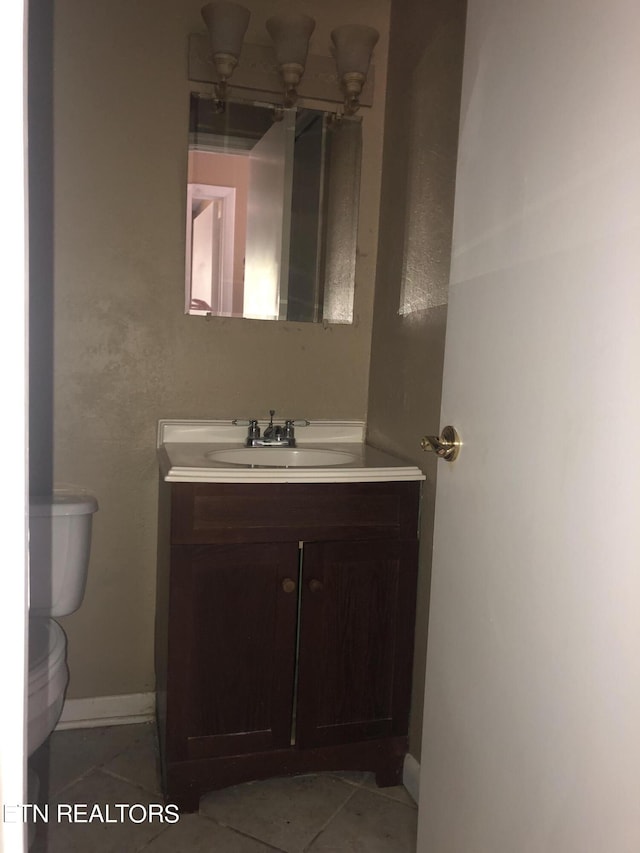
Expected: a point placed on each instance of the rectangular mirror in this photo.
(272, 212)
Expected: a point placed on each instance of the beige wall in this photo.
(425, 65)
(125, 355)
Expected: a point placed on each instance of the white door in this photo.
(13, 429)
(532, 712)
(206, 253)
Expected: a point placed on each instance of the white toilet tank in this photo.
(59, 545)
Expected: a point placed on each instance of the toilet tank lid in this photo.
(62, 502)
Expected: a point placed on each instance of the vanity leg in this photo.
(391, 774)
(186, 799)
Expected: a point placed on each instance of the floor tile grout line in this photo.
(113, 775)
(150, 841)
(240, 832)
(380, 793)
(93, 767)
(349, 782)
(130, 782)
(100, 769)
(136, 740)
(54, 795)
(306, 847)
(328, 822)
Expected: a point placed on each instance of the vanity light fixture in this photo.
(352, 46)
(290, 34)
(227, 23)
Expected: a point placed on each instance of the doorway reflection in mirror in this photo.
(272, 207)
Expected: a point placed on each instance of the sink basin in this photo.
(281, 457)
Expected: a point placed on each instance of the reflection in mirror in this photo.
(272, 212)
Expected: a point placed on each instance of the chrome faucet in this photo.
(272, 432)
(274, 435)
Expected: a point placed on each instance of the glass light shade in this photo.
(227, 23)
(290, 34)
(352, 47)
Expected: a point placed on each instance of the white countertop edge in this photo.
(223, 432)
(292, 475)
(183, 444)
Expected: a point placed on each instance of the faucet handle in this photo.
(252, 423)
(290, 424)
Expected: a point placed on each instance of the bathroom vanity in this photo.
(285, 609)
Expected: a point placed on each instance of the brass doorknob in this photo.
(315, 585)
(447, 446)
(289, 585)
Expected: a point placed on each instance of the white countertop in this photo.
(182, 447)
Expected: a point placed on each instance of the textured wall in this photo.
(421, 131)
(125, 354)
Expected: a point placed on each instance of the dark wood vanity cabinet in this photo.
(284, 635)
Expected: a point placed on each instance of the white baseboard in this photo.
(107, 711)
(411, 777)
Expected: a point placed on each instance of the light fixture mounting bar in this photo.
(257, 72)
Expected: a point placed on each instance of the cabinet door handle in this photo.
(315, 585)
(289, 585)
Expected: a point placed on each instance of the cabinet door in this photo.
(356, 641)
(233, 617)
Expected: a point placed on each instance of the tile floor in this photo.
(319, 813)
